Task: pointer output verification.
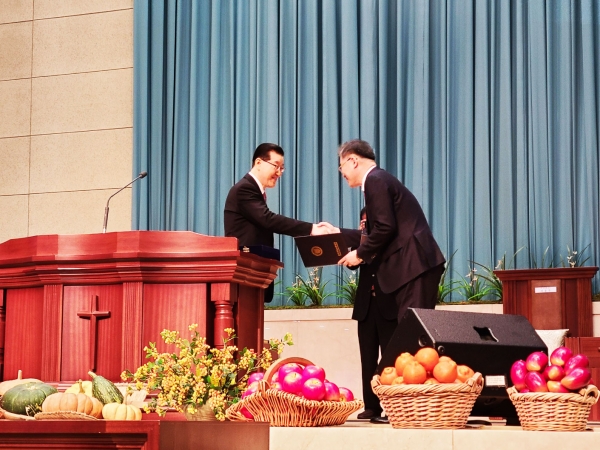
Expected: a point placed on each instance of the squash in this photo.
(26, 399)
(6, 385)
(81, 387)
(105, 390)
(80, 403)
(119, 411)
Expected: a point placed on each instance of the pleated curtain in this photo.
(488, 110)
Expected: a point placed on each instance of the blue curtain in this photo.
(487, 110)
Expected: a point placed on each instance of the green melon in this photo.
(105, 390)
(26, 399)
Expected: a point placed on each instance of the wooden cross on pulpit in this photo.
(94, 316)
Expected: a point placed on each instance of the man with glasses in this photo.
(399, 245)
(247, 216)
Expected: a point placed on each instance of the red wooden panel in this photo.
(546, 305)
(52, 332)
(24, 325)
(80, 435)
(174, 307)
(76, 352)
(249, 317)
(132, 325)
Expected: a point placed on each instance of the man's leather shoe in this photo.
(367, 414)
(380, 419)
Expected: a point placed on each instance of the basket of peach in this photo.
(426, 390)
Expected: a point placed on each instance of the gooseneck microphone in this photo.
(141, 175)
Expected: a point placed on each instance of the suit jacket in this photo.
(399, 241)
(248, 218)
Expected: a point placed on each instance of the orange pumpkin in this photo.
(80, 403)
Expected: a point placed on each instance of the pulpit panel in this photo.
(23, 333)
(174, 307)
(92, 331)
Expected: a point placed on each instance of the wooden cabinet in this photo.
(590, 347)
(556, 298)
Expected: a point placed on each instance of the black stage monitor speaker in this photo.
(488, 343)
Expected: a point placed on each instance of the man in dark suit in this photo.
(376, 313)
(399, 244)
(247, 216)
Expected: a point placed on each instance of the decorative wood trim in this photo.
(222, 295)
(132, 325)
(52, 332)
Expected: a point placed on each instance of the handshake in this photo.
(323, 228)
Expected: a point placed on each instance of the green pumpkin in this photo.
(105, 390)
(26, 399)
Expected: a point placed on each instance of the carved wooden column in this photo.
(223, 295)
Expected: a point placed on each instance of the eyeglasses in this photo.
(342, 165)
(277, 167)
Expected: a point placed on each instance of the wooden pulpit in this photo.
(74, 303)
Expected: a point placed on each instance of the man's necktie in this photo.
(265, 196)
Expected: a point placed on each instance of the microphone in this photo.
(141, 175)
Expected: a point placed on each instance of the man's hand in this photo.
(351, 259)
(323, 228)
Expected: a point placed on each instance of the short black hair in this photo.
(357, 147)
(363, 212)
(263, 150)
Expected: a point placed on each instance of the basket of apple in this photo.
(553, 394)
(294, 392)
(426, 390)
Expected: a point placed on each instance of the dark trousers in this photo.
(374, 333)
(420, 292)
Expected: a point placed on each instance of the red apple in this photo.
(313, 372)
(556, 387)
(292, 383)
(246, 413)
(251, 389)
(560, 356)
(346, 394)
(276, 385)
(517, 374)
(256, 376)
(332, 392)
(535, 382)
(536, 362)
(577, 378)
(554, 373)
(577, 361)
(287, 368)
(313, 389)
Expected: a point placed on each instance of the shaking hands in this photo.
(323, 228)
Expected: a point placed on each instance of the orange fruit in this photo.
(463, 373)
(445, 372)
(398, 380)
(388, 375)
(402, 360)
(414, 373)
(431, 380)
(428, 357)
(446, 358)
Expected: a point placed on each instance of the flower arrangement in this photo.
(348, 287)
(199, 375)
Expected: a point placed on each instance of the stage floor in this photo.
(363, 435)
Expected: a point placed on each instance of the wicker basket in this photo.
(547, 411)
(282, 409)
(444, 405)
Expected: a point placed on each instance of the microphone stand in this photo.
(141, 175)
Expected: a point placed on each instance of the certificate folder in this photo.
(323, 250)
